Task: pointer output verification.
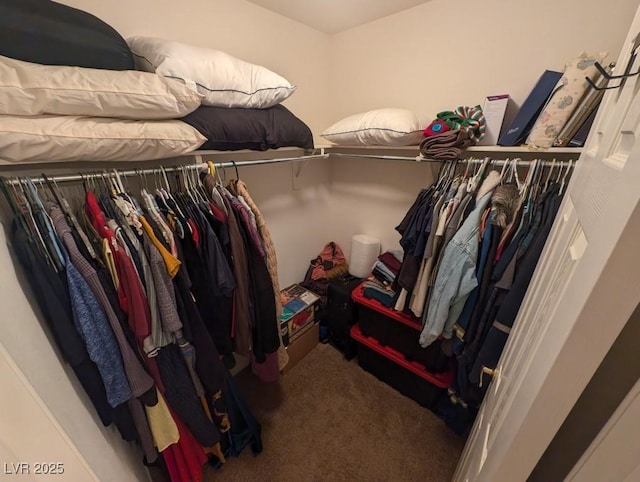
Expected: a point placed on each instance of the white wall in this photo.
(371, 197)
(437, 56)
(442, 54)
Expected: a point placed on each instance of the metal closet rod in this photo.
(200, 166)
(468, 160)
(519, 162)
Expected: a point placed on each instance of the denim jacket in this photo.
(456, 276)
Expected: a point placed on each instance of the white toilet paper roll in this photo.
(364, 252)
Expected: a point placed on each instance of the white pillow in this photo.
(225, 81)
(380, 127)
(71, 138)
(33, 89)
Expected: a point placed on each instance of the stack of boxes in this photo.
(298, 324)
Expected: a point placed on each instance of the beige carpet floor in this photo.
(329, 420)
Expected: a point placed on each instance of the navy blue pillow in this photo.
(233, 129)
(49, 33)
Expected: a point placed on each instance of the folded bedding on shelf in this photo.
(223, 80)
(73, 138)
(228, 129)
(50, 33)
(33, 89)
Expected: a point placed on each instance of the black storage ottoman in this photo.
(341, 313)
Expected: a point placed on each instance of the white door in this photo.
(615, 452)
(585, 287)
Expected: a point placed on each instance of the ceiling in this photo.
(333, 16)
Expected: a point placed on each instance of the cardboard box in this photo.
(298, 310)
(301, 322)
(302, 345)
(494, 110)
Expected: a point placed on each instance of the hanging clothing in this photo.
(138, 379)
(212, 286)
(162, 424)
(265, 329)
(182, 397)
(52, 296)
(165, 322)
(241, 329)
(208, 365)
(414, 230)
(499, 330)
(456, 276)
(92, 325)
(136, 300)
(462, 324)
(172, 264)
(512, 244)
(245, 429)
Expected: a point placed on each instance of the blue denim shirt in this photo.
(456, 278)
(465, 317)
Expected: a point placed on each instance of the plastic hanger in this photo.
(475, 181)
(505, 168)
(546, 182)
(560, 172)
(34, 198)
(9, 194)
(444, 170)
(198, 188)
(117, 182)
(235, 166)
(514, 173)
(564, 178)
(195, 184)
(466, 168)
(68, 212)
(50, 251)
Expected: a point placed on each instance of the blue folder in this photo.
(523, 122)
